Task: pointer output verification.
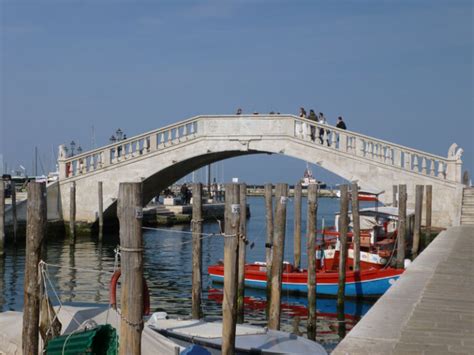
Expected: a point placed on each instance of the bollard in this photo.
(197, 251)
(35, 233)
(297, 226)
(281, 198)
(402, 225)
(72, 213)
(311, 228)
(355, 225)
(417, 227)
(343, 227)
(231, 251)
(101, 210)
(242, 253)
(269, 240)
(130, 213)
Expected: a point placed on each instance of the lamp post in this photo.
(119, 134)
(73, 145)
(79, 150)
(112, 139)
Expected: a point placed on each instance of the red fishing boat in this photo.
(378, 236)
(365, 283)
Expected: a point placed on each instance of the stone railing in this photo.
(383, 152)
(126, 149)
(327, 137)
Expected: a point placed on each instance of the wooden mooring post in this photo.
(14, 213)
(100, 209)
(428, 209)
(311, 228)
(231, 251)
(242, 253)
(130, 213)
(72, 213)
(196, 223)
(297, 225)
(402, 225)
(2, 217)
(394, 196)
(355, 225)
(35, 233)
(417, 227)
(269, 239)
(281, 198)
(343, 228)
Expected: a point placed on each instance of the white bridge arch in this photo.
(160, 157)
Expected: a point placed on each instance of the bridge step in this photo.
(467, 210)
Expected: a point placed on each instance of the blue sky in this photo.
(397, 70)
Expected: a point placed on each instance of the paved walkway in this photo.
(430, 310)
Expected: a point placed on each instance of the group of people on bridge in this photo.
(320, 118)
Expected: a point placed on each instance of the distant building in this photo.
(2, 170)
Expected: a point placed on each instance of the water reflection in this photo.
(168, 272)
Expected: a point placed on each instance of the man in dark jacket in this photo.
(340, 123)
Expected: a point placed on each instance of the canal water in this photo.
(74, 273)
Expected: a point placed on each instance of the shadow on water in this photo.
(85, 271)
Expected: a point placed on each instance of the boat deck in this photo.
(429, 310)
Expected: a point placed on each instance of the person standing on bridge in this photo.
(302, 112)
(340, 123)
(312, 116)
(322, 120)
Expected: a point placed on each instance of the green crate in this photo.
(101, 340)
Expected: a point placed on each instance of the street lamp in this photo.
(112, 139)
(79, 150)
(72, 144)
(119, 134)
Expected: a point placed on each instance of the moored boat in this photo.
(378, 236)
(248, 339)
(365, 283)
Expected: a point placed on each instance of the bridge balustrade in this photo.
(127, 149)
(325, 136)
(373, 149)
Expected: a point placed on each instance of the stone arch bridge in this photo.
(160, 157)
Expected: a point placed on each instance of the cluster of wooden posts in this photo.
(129, 210)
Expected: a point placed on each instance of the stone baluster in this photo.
(415, 163)
(397, 158)
(137, 147)
(90, 163)
(153, 142)
(147, 143)
(185, 131)
(372, 150)
(170, 136)
(376, 151)
(342, 142)
(105, 157)
(162, 139)
(359, 147)
(441, 170)
(325, 138)
(407, 161)
(423, 166)
(333, 139)
(432, 167)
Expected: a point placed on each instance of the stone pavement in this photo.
(429, 310)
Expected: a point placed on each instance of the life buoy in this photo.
(113, 293)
